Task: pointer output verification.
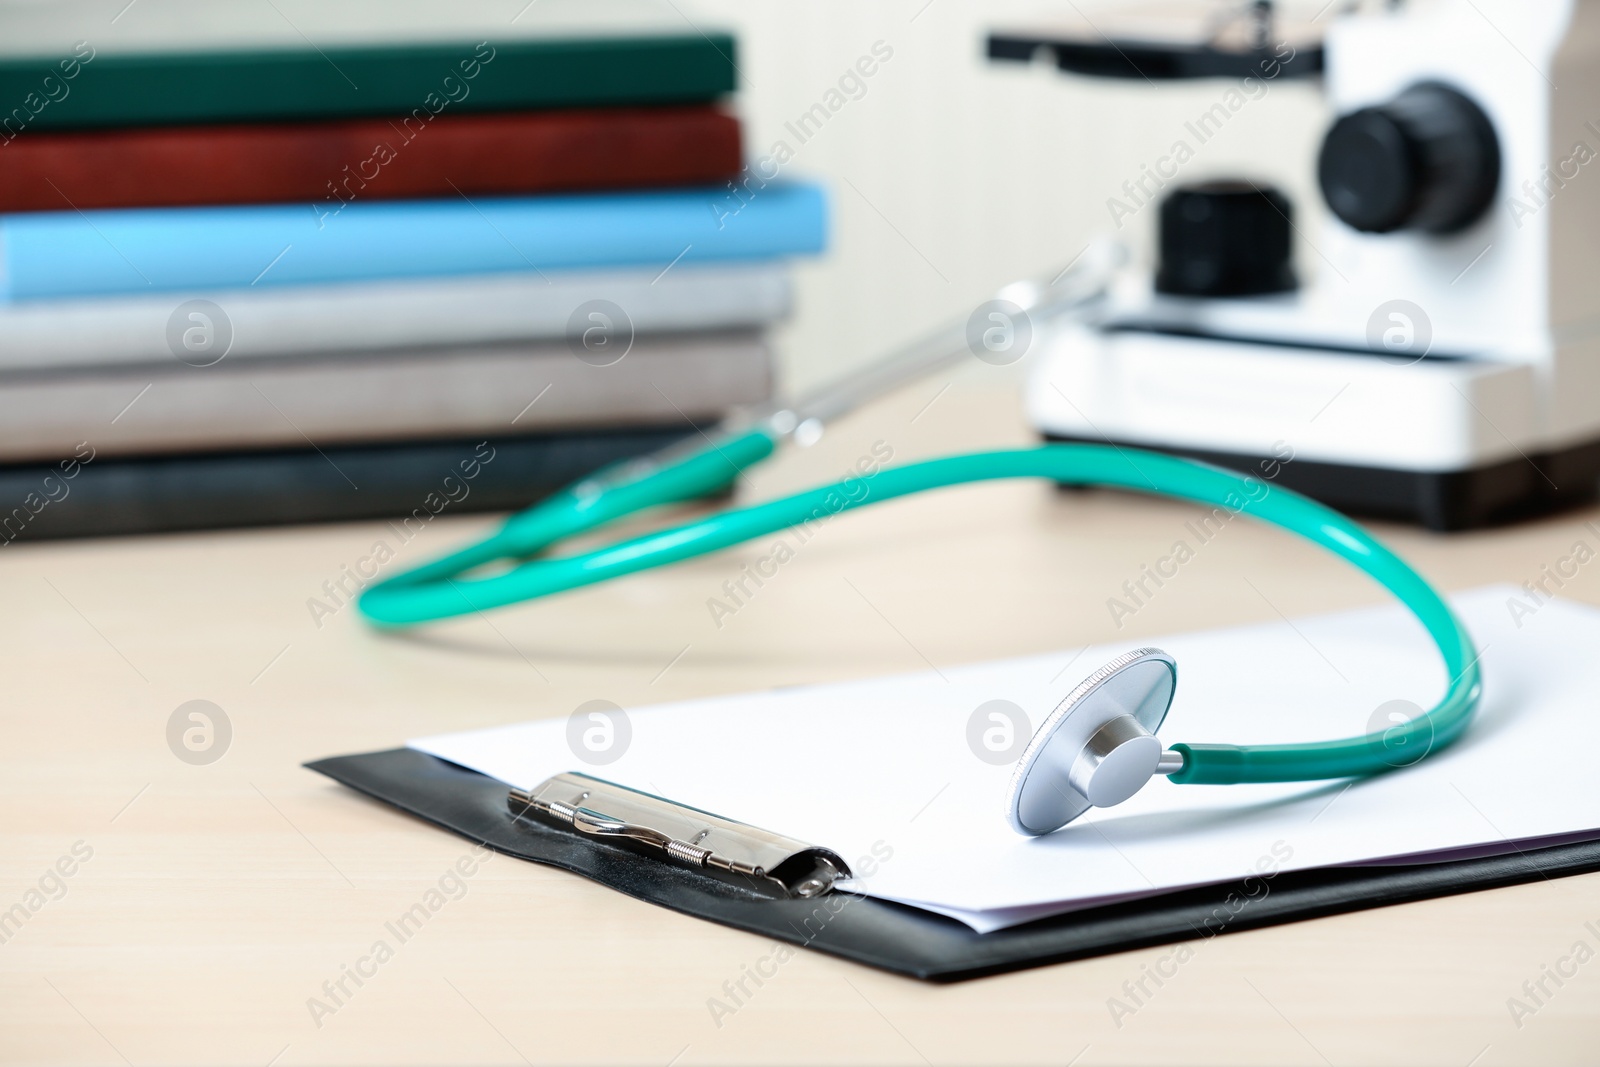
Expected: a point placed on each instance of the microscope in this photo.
(1439, 362)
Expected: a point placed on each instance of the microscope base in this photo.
(1439, 500)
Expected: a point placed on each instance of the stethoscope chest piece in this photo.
(1098, 747)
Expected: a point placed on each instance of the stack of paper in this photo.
(888, 761)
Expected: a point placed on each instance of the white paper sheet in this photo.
(886, 762)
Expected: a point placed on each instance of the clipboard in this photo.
(717, 869)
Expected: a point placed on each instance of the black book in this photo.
(85, 496)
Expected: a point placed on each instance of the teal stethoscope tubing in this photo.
(436, 590)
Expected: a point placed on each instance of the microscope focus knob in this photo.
(1427, 160)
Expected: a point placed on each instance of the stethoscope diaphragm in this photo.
(1098, 747)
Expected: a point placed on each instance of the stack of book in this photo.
(327, 278)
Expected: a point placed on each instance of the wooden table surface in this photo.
(207, 904)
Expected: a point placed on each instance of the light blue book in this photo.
(90, 253)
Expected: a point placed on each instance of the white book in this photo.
(407, 395)
(119, 27)
(164, 329)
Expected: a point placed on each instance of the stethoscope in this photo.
(1098, 747)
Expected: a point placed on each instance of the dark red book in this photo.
(328, 163)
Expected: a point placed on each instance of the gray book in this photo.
(201, 328)
(315, 401)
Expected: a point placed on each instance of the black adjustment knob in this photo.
(1225, 238)
(1427, 160)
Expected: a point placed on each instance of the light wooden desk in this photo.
(219, 898)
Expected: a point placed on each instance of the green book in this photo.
(82, 65)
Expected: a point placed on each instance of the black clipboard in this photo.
(907, 940)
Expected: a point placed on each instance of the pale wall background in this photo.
(988, 171)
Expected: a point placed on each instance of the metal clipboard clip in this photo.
(731, 851)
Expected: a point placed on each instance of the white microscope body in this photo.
(1450, 378)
